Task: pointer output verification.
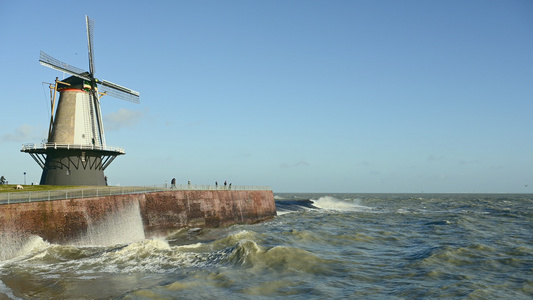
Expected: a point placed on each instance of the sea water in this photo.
(320, 246)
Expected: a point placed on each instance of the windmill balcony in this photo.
(45, 146)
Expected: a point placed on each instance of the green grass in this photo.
(11, 188)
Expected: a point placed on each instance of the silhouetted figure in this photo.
(173, 183)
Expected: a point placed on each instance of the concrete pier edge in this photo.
(161, 213)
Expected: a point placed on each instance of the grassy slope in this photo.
(10, 188)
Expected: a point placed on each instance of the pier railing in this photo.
(89, 192)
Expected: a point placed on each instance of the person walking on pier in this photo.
(173, 183)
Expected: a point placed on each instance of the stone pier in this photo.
(158, 214)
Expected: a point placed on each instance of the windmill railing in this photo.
(44, 146)
(91, 192)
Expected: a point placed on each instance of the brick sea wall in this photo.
(156, 214)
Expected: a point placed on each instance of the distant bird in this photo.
(526, 185)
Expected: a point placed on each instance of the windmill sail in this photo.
(48, 61)
(119, 91)
(90, 39)
(106, 87)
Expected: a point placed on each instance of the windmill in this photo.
(75, 152)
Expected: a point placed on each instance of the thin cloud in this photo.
(301, 163)
(363, 164)
(123, 118)
(25, 133)
(195, 123)
(468, 162)
(435, 158)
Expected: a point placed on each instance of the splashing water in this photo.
(332, 203)
(116, 228)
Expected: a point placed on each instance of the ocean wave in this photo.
(234, 238)
(292, 206)
(448, 246)
(478, 255)
(332, 203)
(284, 212)
(19, 247)
(239, 248)
(150, 255)
(280, 259)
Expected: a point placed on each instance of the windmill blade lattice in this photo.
(106, 87)
(119, 91)
(48, 61)
(90, 41)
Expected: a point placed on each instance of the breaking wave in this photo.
(290, 206)
(332, 203)
(158, 256)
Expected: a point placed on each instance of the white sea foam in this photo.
(332, 203)
(283, 212)
(190, 246)
(34, 245)
(14, 246)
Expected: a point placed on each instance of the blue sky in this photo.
(301, 96)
